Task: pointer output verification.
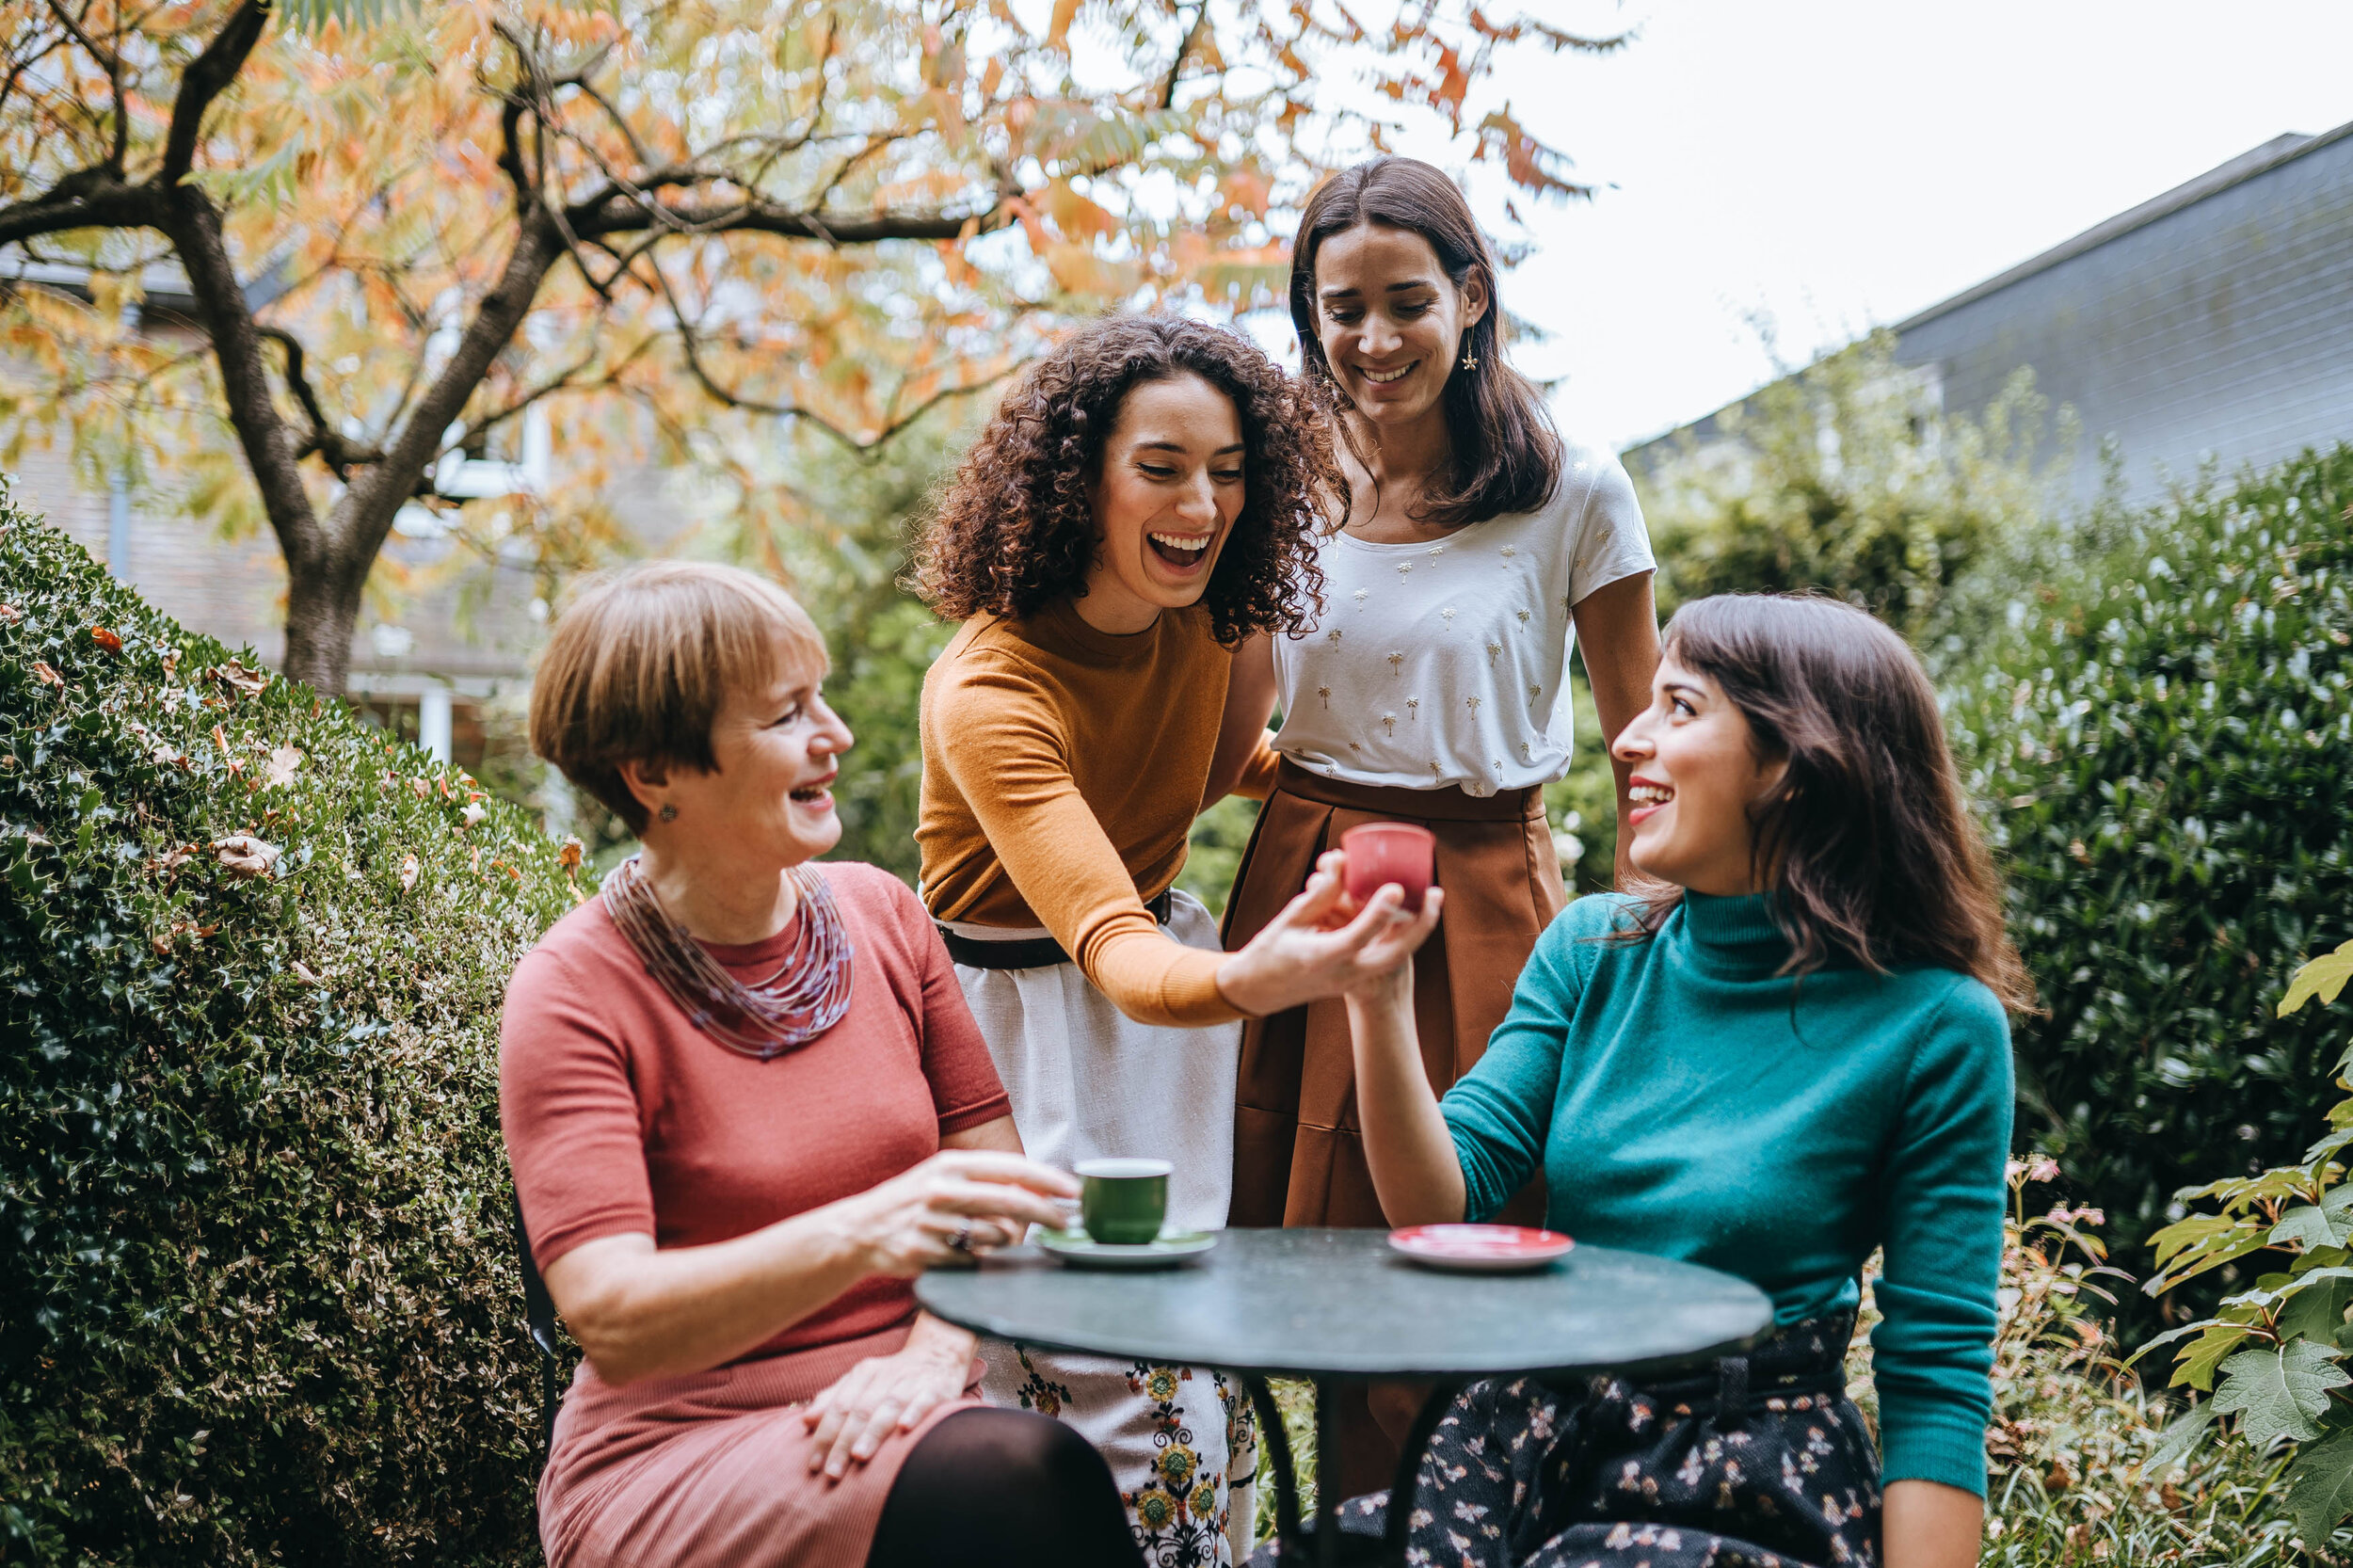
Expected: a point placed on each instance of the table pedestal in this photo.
(1323, 1545)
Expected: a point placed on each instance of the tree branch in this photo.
(688, 345)
(113, 64)
(365, 514)
(92, 198)
(193, 225)
(1176, 66)
(617, 214)
(207, 77)
(341, 454)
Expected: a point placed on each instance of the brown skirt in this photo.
(1298, 1155)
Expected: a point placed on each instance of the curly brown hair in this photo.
(1015, 531)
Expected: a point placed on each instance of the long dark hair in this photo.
(1867, 839)
(1507, 454)
(1015, 531)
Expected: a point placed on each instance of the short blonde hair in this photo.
(642, 661)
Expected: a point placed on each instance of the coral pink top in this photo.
(621, 1118)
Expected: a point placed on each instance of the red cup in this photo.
(1379, 853)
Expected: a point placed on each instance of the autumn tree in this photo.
(401, 227)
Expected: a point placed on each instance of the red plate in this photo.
(1480, 1249)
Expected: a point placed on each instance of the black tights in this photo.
(1003, 1489)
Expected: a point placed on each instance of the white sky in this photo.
(1835, 164)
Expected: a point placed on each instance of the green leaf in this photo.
(2312, 1225)
(2279, 1391)
(2197, 1364)
(2324, 977)
(2182, 1438)
(2320, 1486)
(2313, 1306)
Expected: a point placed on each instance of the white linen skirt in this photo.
(1086, 1082)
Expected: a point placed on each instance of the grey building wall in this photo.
(2221, 329)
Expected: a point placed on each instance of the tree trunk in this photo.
(323, 599)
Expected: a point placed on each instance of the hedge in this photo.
(2165, 749)
(258, 1302)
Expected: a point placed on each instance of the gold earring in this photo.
(1470, 361)
(669, 812)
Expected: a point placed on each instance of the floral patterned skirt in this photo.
(1762, 1464)
(1181, 1441)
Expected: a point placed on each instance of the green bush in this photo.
(257, 1301)
(2164, 746)
(2278, 1349)
(1845, 477)
(2082, 1468)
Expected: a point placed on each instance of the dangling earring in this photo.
(669, 812)
(1470, 361)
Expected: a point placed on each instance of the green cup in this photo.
(1122, 1203)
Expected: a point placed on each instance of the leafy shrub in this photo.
(2082, 1466)
(1844, 477)
(2165, 750)
(257, 1295)
(2280, 1348)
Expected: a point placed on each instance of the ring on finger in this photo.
(962, 1240)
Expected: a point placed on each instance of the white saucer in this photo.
(1078, 1249)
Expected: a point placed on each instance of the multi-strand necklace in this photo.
(804, 997)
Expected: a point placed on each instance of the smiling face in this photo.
(1696, 775)
(769, 798)
(1390, 321)
(1165, 500)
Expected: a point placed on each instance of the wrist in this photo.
(1239, 985)
(853, 1236)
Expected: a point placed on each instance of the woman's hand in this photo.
(1322, 946)
(851, 1419)
(905, 1225)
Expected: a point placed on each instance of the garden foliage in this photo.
(1845, 478)
(2164, 748)
(2278, 1349)
(258, 1298)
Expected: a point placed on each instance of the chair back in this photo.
(539, 1315)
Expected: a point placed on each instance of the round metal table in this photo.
(1338, 1305)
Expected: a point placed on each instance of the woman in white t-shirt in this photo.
(1477, 547)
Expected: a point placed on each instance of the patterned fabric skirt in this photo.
(1088, 1080)
(1762, 1464)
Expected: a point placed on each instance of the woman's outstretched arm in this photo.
(640, 1312)
(1415, 1172)
(1242, 735)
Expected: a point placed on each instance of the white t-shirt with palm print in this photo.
(1446, 663)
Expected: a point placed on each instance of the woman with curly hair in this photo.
(1145, 498)
(1479, 548)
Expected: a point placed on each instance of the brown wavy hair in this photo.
(1867, 839)
(1506, 452)
(1014, 530)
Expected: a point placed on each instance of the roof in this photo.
(2246, 165)
(2270, 155)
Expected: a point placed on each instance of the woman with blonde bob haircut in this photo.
(746, 1104)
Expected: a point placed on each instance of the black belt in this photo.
(1029, 952)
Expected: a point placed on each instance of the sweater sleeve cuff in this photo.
(1155, 979)
(1189, 992)
(1931, 1440)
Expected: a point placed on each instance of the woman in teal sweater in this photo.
(1791, 1050)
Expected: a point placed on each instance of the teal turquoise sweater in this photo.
(1683, 1102)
